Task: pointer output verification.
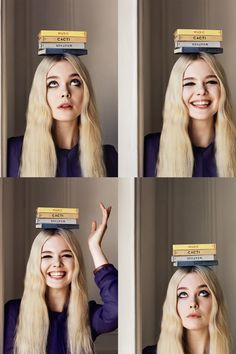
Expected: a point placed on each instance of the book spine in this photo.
(51, 33)
(195, 263)
(62, 39)
(195, 246)
(56, 221)
(198, 50)
(198, 32)
(179, 44)
(44, 45)
(57, 215)
(198, 38)
(56, 226)
(192, 258)
(61, 51)
(193, 252)
(57, 210)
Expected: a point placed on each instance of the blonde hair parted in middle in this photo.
(172, 337)
(33, 317)
(175, 153)
(38, 152)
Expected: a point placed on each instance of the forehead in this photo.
(61, 68)
(198, 68)
(191, 281)
(55, 244)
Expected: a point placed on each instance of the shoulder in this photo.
(12, 307)
(150, 349)
(151, 150)
(15, 142)
(14, 149)
(152, 139)
(111, 160)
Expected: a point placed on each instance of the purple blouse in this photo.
(150, 350)
(204, 158)
(103, 318)
(67, 160)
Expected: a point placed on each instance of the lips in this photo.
(194, 315)
(65, 106)
(201, 103)
(57, 275)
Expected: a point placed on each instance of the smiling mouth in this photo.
(201, 103)
(57, 275)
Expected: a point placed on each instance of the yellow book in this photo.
(205, 32)
(51, 39)
(199, 38)
(57, 210)
(196, 246)
(61, 33)
(194, 252)
(57, 215)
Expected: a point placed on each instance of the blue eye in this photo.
(204, 293)
(182, 295)
(52, 84)
(76, 82)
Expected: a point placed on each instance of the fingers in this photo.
(105, 212)
(93, 226)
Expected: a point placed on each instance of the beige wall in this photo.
(26, 18)
(22, 196)
(162, 18)
(184, 211)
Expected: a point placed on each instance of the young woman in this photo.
(54, 315)
(198, 135)
(194, 318)
(62, 136)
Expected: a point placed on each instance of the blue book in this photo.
(190, 50)
(57, 226)
(195, 263)
(60, 51)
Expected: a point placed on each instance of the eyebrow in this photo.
(60, 252)
(194, 78)
(57, 77)
(199, 287)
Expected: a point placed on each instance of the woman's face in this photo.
(194, 302)
(201, 90)
(64, 91)
(57, 263)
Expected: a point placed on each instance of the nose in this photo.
(201, 89)
(65, 92)
(57, 262)
(194, 305)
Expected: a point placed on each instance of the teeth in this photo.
(201, 103)
(57, 274)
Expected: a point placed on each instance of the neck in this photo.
(201, 131)
(56, 299)
(65, 134)
(197, 342)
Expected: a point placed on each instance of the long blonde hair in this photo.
(38, 152)
(175, 153)
(33, 321)
(171, 339)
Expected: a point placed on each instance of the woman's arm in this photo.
(96, 236)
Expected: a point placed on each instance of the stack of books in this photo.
(190, 255)
(57, 218)
(198, 40)
(60, 42)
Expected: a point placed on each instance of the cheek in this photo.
(181, 309)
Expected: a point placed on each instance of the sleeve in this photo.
(151, 149)
(150, 350)
(104, 318)
(110, 160)
(14, 148)
(11, 312)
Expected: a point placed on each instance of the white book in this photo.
(62, 45)
(56, 221)
(210, 257)
(180, 44)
